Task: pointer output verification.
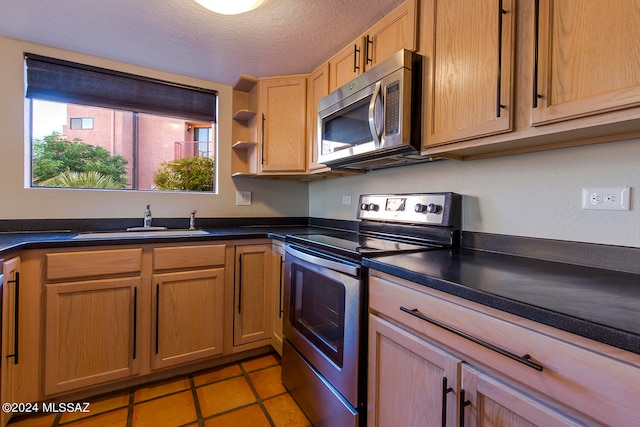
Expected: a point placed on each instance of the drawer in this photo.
(173, 257)
(70, 265)
(603, 385)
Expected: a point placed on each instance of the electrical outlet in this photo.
(609, 199)
(243, 198)
(346, 200)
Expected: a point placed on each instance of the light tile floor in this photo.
(248, 393)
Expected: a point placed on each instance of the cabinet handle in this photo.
(536, 46)
(16, 317)
(463, 404)
(281, 277)
(239, 283)
(135, 321)
(525, 360)
(356, 51)
(157, 318)
(445, 390)
(499, 105)
(262, 139)
(369, 42)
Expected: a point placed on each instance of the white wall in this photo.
(536, 194)
(270, 198)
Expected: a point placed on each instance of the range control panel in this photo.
(425, 208)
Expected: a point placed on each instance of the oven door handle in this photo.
(342, 267)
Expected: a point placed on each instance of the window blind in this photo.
(58, 80)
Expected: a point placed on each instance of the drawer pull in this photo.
(525, 360)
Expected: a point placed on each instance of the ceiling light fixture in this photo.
(230, 7)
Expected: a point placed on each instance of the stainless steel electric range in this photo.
(326, 299)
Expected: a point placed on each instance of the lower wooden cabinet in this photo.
(10, 341)
(500, 369)
(90, 333)
(188, 316)
(488, 401)
(252, 294)
(277, 306)
(411, 382)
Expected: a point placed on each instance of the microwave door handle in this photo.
(372, 115)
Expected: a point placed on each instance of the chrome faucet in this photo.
(147, 217)
(192, 220)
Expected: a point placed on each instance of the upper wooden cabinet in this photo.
(317, 88)
(568, 78)
(469, 59)
(282, 110)
(395, 31)
(588, 54)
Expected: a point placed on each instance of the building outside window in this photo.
(82, 145)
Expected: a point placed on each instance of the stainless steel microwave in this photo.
(374, 121)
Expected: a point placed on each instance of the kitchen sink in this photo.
(141, 232)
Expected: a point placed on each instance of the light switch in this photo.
(243, 198)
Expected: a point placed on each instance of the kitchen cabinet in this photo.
(469, 69)
(188, 304)
(573, 82)
(253, 294)
(92, 314)
(513, 369)
(587, 59)
(10, 334)
(282, 109)
(411, 382)
(317, 88)
(487, 401)
(277, 308)
(395, 31)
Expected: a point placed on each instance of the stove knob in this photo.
(430, 208)
(373, 207)
(364, 207)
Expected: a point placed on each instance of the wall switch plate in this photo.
(243, 198)
(346, 200)
(609, 199)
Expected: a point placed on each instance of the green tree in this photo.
(188, 173)
(55, 155)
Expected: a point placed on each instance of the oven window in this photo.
(319, 311)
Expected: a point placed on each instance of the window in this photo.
(116, 130)
(76, 123)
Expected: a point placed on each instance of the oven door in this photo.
(323, 305)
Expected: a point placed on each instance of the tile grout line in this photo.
(196, 401)
(259, 400)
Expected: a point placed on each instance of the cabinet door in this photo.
(346, 65)
(188, 316)
(411, 382)
(10, 334)
(394, 32)
(278, 298)
(588, 58)
(90, 333)
(488, 401)
(317, 88)
(283, 113)
(253, 290)
(469, 61)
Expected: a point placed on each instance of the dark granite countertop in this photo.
(600, 304)
(12, 242)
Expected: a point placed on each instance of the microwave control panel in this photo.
(392, 109)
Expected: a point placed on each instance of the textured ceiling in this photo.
(180, 36)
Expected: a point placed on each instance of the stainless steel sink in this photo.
(140, 232)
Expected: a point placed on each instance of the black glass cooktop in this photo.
(355, 246)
